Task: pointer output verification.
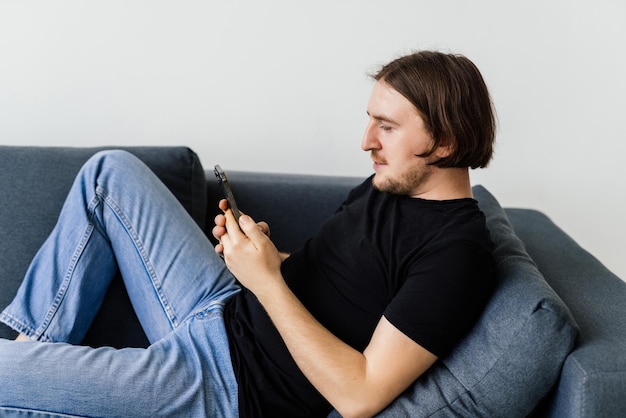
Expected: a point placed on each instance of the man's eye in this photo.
(385, 128)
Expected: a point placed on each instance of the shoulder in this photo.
(364, 188)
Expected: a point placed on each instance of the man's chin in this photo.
(389, 186)
(376, 182)
(381, 185)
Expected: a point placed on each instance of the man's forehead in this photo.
(387, 104)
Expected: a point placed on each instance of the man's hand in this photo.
(250, 255)
(247, 250)
(220, 226)
(220, 229)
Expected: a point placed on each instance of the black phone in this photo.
(228, 193)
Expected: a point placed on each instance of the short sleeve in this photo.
(443, 295)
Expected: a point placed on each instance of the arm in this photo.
(356, 384)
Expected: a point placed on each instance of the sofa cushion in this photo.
(34, 182)
(513, 355)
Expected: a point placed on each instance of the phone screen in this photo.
(228, 193)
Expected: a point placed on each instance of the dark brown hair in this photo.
(452, 98)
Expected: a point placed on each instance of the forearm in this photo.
(335, 369)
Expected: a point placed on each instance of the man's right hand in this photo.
(220, 228)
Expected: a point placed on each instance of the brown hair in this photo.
(452, 98)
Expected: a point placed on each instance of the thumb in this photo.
(249, 227)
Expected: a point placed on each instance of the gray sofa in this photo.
(552, 341)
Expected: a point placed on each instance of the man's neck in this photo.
(447, 184)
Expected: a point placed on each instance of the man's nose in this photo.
(370, 141)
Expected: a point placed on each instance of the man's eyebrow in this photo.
(383, 118)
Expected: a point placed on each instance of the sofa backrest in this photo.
(309, 199)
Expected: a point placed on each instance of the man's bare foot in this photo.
(22, 337)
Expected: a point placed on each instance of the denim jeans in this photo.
(119, 215)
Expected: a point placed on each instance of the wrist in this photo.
(273, 292)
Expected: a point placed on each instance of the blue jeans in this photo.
(119, 215)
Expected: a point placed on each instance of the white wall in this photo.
(280, 86)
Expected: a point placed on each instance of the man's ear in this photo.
(445, 149)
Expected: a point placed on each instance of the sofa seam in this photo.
(585, 376)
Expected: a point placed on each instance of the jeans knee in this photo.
(114, 156)
(113, 161)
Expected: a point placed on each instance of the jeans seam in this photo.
(213, 308)
(17, 325)
(145, 259)
(40, 333)
(37, 411)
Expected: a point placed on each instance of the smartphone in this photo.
(228, 193)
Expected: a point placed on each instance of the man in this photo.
(430, 119)
(391, 283)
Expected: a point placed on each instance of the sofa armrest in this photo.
(593, 380)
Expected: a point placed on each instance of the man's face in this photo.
(395, 134)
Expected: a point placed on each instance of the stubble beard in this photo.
(407, 183)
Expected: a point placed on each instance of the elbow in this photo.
(358, 409)
(355, 415)
(364, 402)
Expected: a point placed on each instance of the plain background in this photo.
(282, 86)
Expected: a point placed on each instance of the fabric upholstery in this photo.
(593, 379)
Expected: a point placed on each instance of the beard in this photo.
(406, 183)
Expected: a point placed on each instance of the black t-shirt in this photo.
(425, 265)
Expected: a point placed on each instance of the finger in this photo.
(219, 229)
(224, 205)
(251, 229)
(232, 227)
(218, 232)
(220, 220)
(264, 227)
